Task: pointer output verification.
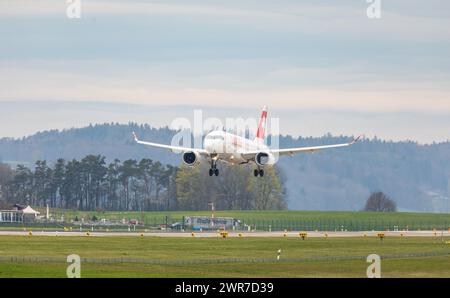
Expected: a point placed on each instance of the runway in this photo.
(311, 234)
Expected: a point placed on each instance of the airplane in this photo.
(226, 147)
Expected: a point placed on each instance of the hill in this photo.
(416, 176)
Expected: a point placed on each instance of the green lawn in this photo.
(298, 259)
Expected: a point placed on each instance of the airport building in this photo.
(18, 214)
(210, 223)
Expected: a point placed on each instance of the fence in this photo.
(43, 259)
(324, 224)
(344, 225)
(319, 224)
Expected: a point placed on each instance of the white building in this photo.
(18, 214)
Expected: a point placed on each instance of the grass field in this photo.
(216, 257)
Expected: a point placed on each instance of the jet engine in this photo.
(264, 158)
(191, 158)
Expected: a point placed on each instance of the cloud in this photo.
(148, 87)
(295, 55)
(420, 126)
(399, 22)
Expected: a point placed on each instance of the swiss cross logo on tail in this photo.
(260, 133)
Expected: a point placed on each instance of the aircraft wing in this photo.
(292, 151)
(169, 147)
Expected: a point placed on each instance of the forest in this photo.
(93, 184)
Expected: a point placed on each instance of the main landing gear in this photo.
(214, 170)
(258, 172)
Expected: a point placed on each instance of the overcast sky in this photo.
(320, 66)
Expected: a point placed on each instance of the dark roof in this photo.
(19, 207)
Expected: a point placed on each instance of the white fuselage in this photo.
(228, 147)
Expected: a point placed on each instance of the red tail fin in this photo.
(260, 133)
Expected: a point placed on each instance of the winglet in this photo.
(357, 139)
(135, 137)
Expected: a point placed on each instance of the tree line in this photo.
(137, 185)
(416, 175)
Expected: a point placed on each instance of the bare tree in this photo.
(6, 175)
(379, 202)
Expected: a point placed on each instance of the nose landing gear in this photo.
(214, 170)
